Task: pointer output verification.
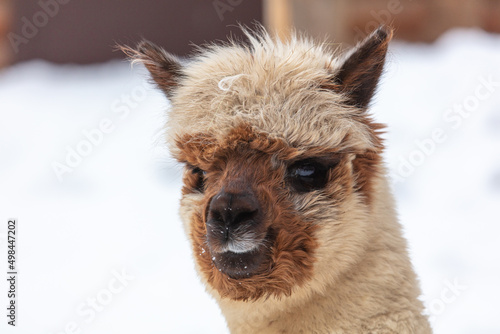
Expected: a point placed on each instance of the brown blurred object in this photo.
(6, 17)
(85, 31)
(490, 16)
(278, 16)
(349, 21)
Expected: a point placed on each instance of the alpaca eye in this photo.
(307, 175)
(199, 178)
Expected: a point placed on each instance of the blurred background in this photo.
(84, 170)
(87, 30)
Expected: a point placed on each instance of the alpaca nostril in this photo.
(231, 209)
(245, 216)
(216, 215)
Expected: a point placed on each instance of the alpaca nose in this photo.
(233, 208)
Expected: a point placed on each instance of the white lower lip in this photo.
(240, 247)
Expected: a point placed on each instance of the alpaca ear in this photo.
(165, 68)
(362, 67)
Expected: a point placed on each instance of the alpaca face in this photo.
(245, 226)
(280, 158)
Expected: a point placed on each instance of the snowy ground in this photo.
(115, 214)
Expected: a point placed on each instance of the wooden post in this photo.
(6, 14)
(278, 17)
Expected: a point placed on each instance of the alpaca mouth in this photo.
(240, 265)
(237, 251)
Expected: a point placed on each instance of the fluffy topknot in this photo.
(279, 88)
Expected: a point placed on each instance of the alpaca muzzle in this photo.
(236, 232)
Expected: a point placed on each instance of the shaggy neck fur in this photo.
(379, 294)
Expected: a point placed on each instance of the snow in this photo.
(103, 250)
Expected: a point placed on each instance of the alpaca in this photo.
(285, 198)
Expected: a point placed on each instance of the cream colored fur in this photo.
(363, 280)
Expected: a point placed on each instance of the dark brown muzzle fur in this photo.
(235, 222)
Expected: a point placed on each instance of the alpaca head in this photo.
(281, 158)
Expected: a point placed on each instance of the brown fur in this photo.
(290, 258)
(370, 59)
(367, 165)
(167, 74)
